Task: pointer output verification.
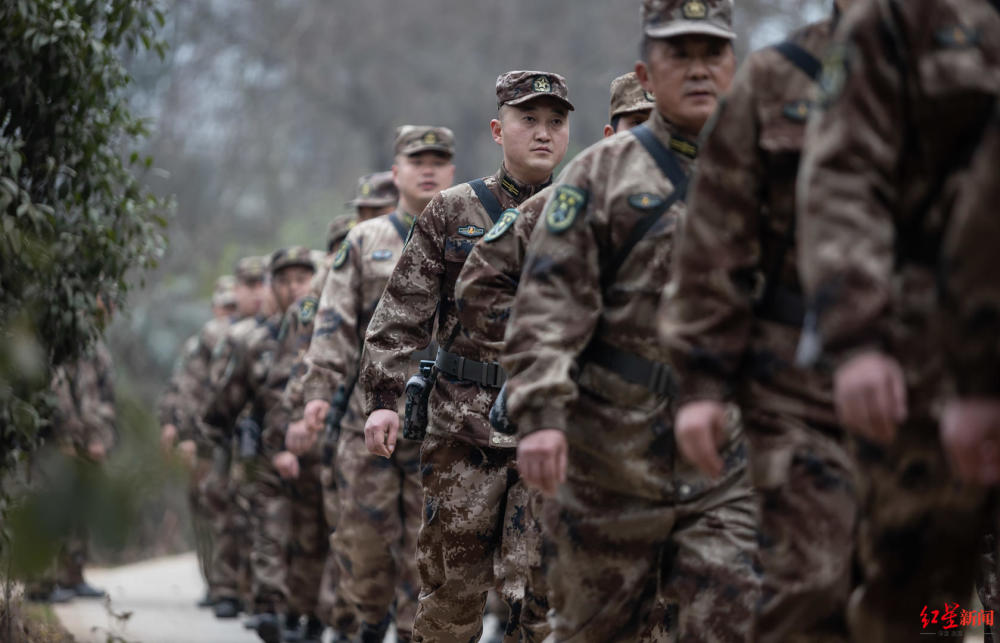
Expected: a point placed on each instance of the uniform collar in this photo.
(670, 135)
(515, 189)
(405, 218)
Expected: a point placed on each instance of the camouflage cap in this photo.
(222, 294)
(670, 18)
(414, 139)
(628, 96)
(251, 268)
(288, 257)
(375, 191)
(516, 87)
(338, 229)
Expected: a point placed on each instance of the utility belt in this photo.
(427, 352)
(657, 377)
(488, 374)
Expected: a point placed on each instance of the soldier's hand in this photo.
(315, 415)
(381, 430)
(970, 432)
(541, 460)
(299, 439)
(869, 393)
(168, 436)
(189, 453)
(96, 451)
(700, 430)
(287, 465)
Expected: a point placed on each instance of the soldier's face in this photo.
(687, 74)
(627, 122)
(419, 177)
(249, 296)
(366, 212)
(534, 137)
(290, 284)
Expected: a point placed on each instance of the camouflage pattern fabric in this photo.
(875, 191)
(85, 401)
(621, 443)
(730, 337)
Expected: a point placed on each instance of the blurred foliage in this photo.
(76, 219)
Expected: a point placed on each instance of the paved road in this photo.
(161, 595)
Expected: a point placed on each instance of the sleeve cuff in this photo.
(541, 419)
(698, 386)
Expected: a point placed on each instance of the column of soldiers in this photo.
(731, 376)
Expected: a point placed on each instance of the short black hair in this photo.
(645, 46)
(617, 118)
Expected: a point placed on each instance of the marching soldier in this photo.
(731, 323)
(380, 500)
(907, 95)
(475, 506)
(589, 391)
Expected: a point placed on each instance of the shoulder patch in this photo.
(506, 220)
(565, 204)
(382, 255)
(645, 201)
(797, 110)
(343, 251)
(956, 37)
(307, 310)
(833, 77)
(471, 231)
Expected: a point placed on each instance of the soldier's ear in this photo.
(642, 74)
(496, 128)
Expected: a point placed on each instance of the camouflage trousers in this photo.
(919, 535)
(805, 479)
(380, 510)
(629, 568)
(290, 539)
(229, 497)
(333, 609)
(480, 531)
(201, 519)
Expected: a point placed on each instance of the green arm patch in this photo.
(797, 111)
(565, 204)
(507, 219)
(343, 251)
(307, 310)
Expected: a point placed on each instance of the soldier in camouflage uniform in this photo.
(286, 524)
(380, 499)
(475, 505)
(907, 94)
(174, 404)
(230, 572)
(634, 528)
(83, 424)
(731, 325)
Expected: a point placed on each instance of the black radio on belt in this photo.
(418, 392)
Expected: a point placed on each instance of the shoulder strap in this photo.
(401, 229)
(798, 56)
(668, 164)
(493, 207)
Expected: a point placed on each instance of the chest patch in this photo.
(343, 251)
(471, 231)
(797, 111)
(645, 201)
(507, 219)
(382, 255)
(307, 310)
(565, 204)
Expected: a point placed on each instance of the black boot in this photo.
(227, 608)
(314, 631)
(374, 633)
(291, 629)
(84, 589)
(268, 628)
(56, 595)
(206, 601)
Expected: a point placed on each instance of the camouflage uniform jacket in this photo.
(422, 288)
(194, 383)
(488, 282)
(362, 267)
(240, 366)
(736, 250)
(561, 304)
(284, 378)
(906, 95)
(85, 401)
(172, 404)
